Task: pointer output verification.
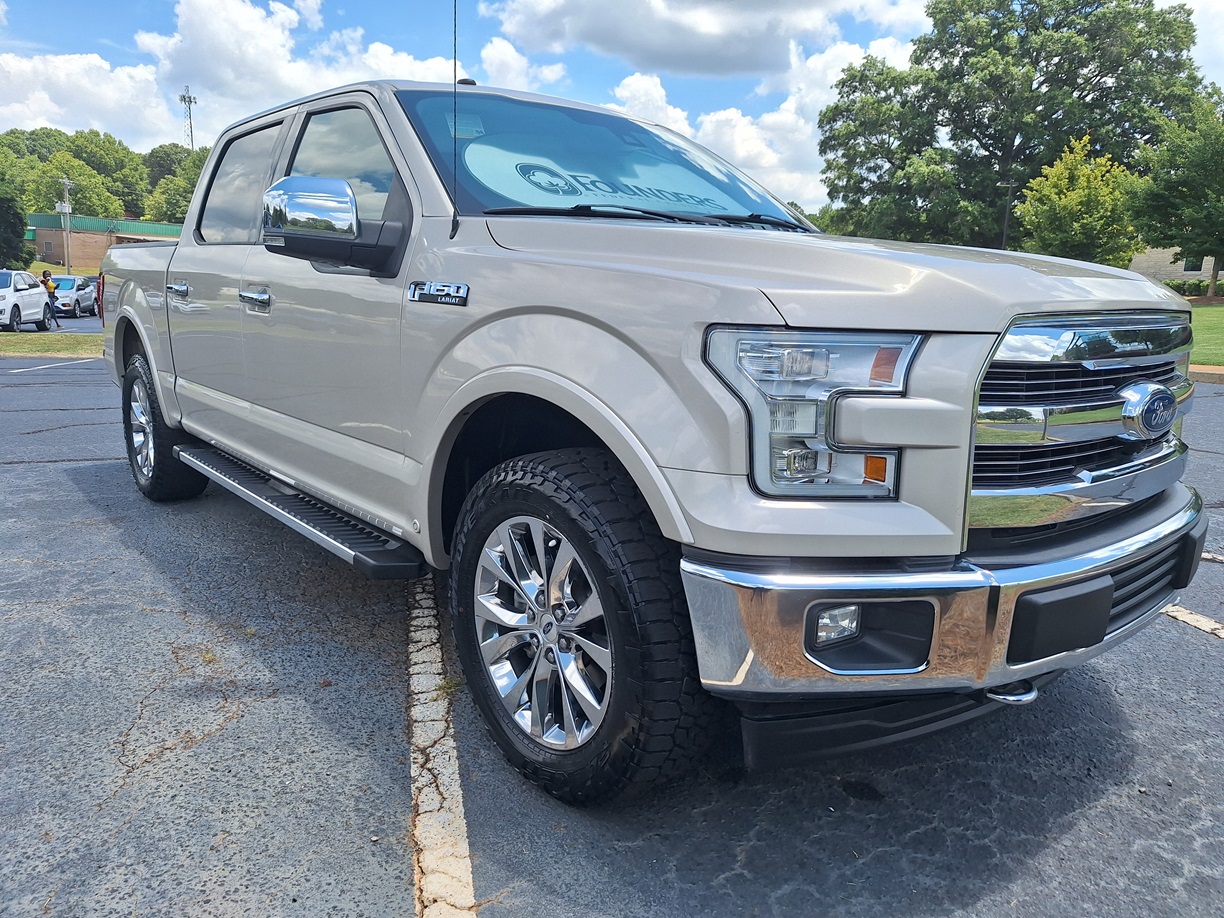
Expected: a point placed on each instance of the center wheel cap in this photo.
(549, 630)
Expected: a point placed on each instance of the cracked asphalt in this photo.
(201, 713)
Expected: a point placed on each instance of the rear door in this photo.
(203, 283)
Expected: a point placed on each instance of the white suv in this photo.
(23, 300)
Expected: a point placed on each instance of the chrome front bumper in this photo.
(749, 625)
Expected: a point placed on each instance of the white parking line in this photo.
(48, 366)
(438, 834)
(1194, 620)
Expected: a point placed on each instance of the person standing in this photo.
(50, 287)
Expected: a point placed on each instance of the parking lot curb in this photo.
(1202, 373)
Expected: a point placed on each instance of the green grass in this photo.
(1209, 335)
(84, 270)
(49, 344)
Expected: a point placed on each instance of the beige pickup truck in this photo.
(677, 449)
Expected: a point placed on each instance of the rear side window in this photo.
(345, 144)
(234, 206)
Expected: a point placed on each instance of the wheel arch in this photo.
(504, 414)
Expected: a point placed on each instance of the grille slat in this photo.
(1021, 384)
(1007, 466)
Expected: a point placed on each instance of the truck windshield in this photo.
(518, 156)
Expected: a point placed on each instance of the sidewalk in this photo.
(1201, 373)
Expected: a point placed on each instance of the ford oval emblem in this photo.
(1148, 410)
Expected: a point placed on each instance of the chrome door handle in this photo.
(178, 288)
(261, 300)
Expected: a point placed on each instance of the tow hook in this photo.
(1021, 692)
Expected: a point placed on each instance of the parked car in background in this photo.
(23, 300)
(74, 295)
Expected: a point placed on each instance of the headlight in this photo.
(790, 382)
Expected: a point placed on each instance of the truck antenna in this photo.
(454, 118)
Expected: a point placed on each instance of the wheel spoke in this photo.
(512, 698)
(598, 654)
(576, 683)
(493, 561)
(520, 566)
(496, 649)
(541, 692)
(591, 611)
(569, 721)
(560, 579)
(492, 609)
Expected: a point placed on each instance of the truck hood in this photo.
(841, 282)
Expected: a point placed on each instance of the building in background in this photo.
(91, 237)
(1158, 265)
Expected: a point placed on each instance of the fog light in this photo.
(837, 624)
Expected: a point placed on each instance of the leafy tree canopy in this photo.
(1182, 202)
(1080, 207)
(991, 95)
(40, 142)
(164, 160)
(13, 247)
(170, 199)
(104, 153)
(89, 195)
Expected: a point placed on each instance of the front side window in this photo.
(233, 209)
(515, 153)
(345, 144)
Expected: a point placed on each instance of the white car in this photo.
(23, 300)
(74, 295)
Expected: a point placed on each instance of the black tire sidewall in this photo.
(170, 479)
(492, 502)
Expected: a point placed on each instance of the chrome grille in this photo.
(1073, 417)
(1018, 384)
(1006, 466)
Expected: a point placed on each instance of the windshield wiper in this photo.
(605, 210)
(764, 219)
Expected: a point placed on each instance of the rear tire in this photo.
(150, 440)
(45, 323)
(76, 310)
(571, 627)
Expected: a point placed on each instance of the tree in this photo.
(1182, 202)
(1080, 207)
(991, 95)
(89, 196)
(41, 142)
(14, 252)
(170, 199)
(164, 160)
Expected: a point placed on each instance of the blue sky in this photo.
(745, 77)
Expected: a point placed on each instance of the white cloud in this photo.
(231, 80)
(643, 95)
(504, 66)
(81, 91)
(311, 12)
(694, 36)
(3, 15)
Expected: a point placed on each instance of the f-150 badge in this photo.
(437, 292)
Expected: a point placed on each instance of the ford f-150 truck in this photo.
(676, 448)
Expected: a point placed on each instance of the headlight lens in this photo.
(790, 381)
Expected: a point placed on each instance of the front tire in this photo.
(571, 627)
(15, 320)
(150, 440)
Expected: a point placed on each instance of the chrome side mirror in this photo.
(310, 206)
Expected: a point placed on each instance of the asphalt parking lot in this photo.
(203, 714)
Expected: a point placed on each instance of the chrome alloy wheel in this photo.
(142, 428)
(542, 633)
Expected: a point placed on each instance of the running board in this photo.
(376, 554)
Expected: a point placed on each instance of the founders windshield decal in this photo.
(627, 176)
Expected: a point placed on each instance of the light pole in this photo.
(63, 207)
(1009, 185)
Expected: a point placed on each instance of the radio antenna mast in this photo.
(188, 100)
(454, 118)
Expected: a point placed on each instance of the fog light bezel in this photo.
(895, 637)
